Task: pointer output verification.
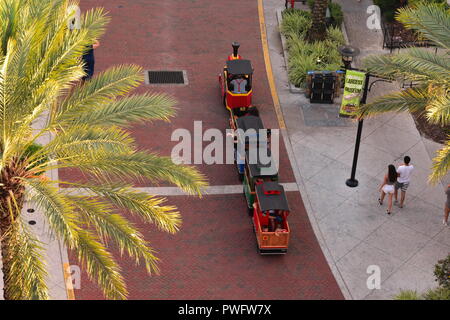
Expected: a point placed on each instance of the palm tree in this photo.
(39, 64)
(431, 97)
(318, 30)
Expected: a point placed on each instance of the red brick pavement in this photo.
(214, 255)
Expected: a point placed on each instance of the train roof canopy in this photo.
(239, 66)
(257, 168)
(249, 122)
(271, 196)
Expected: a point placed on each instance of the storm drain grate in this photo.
(166, 77)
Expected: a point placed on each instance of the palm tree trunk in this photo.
(5, 226)
(11, 203)
(318, 30)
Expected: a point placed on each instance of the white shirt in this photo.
(405, 173)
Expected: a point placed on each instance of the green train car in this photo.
(255, 173)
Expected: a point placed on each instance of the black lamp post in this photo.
(348, 53)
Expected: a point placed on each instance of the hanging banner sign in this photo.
(353, 89)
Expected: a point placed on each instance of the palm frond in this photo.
(133, 109)
(415, 65)
(436, 66)
(137, 165)
(100, 265)
(61, 213)
(149, 208)
(431, 20)
(438, 110)
(441, 164)
(413, 99)
(101, 89)
(113, 226)
(58, 211)
(27, 273)
(82, 140)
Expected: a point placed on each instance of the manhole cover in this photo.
(166, 77)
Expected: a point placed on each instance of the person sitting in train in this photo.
(275, 221)
(239, 85)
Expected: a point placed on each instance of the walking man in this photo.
(404, 175)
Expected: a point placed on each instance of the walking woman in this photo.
(388, 187)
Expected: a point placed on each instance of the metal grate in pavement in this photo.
(166, 77)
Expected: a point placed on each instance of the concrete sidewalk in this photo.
(353, 229)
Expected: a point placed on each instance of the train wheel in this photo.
(258, 249)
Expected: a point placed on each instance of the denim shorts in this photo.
(402, 186)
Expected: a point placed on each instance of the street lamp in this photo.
(348, 53)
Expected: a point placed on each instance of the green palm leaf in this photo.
(129, 110)
(429, 19)
(149, 208)
(441, 163)
(138, 165)
(100, 265)
(413, 99)
(113, 226)
(438, 110)
(416, 65)
(83, 139)
(103, 88)
(27, 273)
(59, 212)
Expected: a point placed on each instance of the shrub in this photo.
(298, 68)
(335, 35)
(305, 56)
(442, 272)
(337, 15)
(295, 22)
(407, 295)
(437, 294)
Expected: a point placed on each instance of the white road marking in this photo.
(175, 191)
